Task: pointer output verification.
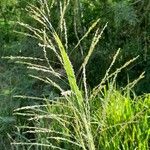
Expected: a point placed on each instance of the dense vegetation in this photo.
(74, 74)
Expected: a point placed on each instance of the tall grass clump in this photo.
(80, 118)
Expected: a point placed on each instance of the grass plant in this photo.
(104, 118)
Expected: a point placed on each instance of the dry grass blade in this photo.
(22, 57)
(49, 44)
(87, 33)
(62, 12)
(114, 75)
(38, 144)
(37, 14)
(54, 84)
(122, 67)
(107, 72)
(46, 71)
(66, 140)
(133, 83)
(48, 81)
(95, 40)
(35, 31)
(29, 107)
(85, 83)
(66, 34)
(45, 53)
(44, 130)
